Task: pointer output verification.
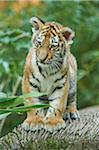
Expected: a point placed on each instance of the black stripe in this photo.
(43, 98)
(57, 88)
(61, 76)
(41, 20)
(53, 33)
(34, 86)
(35, 77)
(45, 31)
(40, 69)
(53, 28)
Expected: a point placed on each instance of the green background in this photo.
(15, 42)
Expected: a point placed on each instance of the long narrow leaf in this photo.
(24, 108)
(6, 102)
(33, 94)
(13, 101)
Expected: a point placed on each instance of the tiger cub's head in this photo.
(51, 40)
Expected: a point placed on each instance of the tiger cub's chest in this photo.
(47, 84)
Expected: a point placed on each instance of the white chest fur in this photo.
(47, 84)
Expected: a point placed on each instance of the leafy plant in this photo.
(15, 42)
(10, 104)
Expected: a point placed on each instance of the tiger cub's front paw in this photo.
(32, 124)
(54, 123)
(71, 116)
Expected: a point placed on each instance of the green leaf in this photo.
(24, 108)
(33, 94)
(13, 101)
(8, 102)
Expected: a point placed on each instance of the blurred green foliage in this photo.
(15, 42)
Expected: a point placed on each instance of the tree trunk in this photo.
(77, 135)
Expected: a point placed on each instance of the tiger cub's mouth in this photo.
(44, 58)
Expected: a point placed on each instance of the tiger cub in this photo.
(50, 68)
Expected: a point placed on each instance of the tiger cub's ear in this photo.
(36, 23)
(68, 34)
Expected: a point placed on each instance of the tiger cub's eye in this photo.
(54, 41)
(39, 39)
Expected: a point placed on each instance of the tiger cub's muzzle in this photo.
(44, 55)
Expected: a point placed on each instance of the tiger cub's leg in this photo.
(54, 117)
(71, 112)
(34, 120)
